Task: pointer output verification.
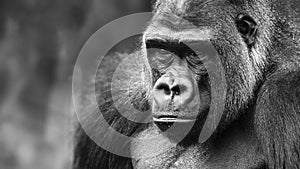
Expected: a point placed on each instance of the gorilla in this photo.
(257, 42)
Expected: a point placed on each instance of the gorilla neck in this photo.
(235, 146)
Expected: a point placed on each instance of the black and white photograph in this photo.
(150, 84)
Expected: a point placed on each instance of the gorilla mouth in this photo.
(173, 119)
(165, 122)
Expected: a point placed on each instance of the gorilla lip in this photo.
(171, 118)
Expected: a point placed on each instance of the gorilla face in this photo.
(181, 89)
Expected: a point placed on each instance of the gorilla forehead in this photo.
(179, 15)
(199, 12)
(192, 7)
(184, 7)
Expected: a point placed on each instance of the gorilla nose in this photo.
(177, 90)
(170, 90)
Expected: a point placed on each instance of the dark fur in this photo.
(268, 105)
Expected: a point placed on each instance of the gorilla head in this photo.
(256, 42)
(241, 39)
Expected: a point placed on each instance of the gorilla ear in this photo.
(247, 28)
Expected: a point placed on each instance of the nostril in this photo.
(178, 89)
(164, 87)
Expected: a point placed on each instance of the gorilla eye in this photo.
(159, 58)
(194, 60)
(247, 28)
(164, 56)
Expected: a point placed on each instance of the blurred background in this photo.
(39, 43)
